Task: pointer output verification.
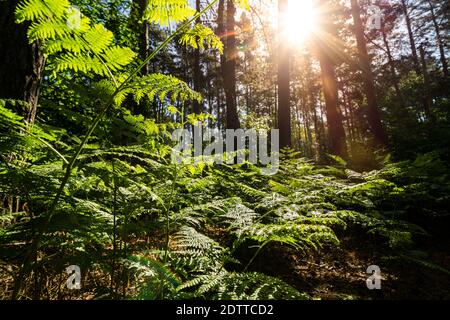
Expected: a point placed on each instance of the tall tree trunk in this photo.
(220, 32)
(312, 100)
(336, 133)
(198, 76)
(373, 113)
(412, 42)
(427, 87)
(439, 40)
(346, 113)
(284, 108)
(395, 78)
(228, 61)
(417, 65)
(22, 64)
(144, 32)
(327, 58)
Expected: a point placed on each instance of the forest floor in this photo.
(340, 273)
(334, 273)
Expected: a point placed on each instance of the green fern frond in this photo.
(239, 218)
(117, 57)
(225, 285)
(256, 286)
(201, 37)
(162, 86)
(80, 63)
(34, 9)
(297, 235)
(164, 12)
(87, 48)
(47, 29)
(98, 38)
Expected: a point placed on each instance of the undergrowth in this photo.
(140, 226)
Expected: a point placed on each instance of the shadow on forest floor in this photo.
(340, 273)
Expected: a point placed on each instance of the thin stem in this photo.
(255, 255)
(167, 209)
(114, 227)
(48, 145)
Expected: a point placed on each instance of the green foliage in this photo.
(201, 37)
(81, 45)
(245, 286)
(164, 12)
(175, 231)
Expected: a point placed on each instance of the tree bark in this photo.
(198, 76)
(22, 63)
(395, 78)
(373, 113)
(228, 61)
(336, 133)
(412, 42)
(144, 33)
(220, 32)
(284, 108)
(439, 40)
(327, 59)
(428, 100)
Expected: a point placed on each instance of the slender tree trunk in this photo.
(395, 78)
(284, 108)
(228, 61)
(307, 129)
(209, 90)
(427, 87)
(220, 32)
(312, 99)
(326, 56)
(336, 133)
(22, 64)
(439, 40)
(417, 65)
(144, 32)
(218, 92)
(346, 113)
(349, 116)
(198, 76)
(318, 135)
(373, 113)
(412, 42)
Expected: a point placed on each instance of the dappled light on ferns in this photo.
(126, 213)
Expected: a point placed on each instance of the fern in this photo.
(201, 37)
(165, 11)
(89, 48)
(161, 86)
(193, 245)
(300, 236)
(34, 9)
(243, 286)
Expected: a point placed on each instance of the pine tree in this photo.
(373, 112)
(284, 96)
(23, 63)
